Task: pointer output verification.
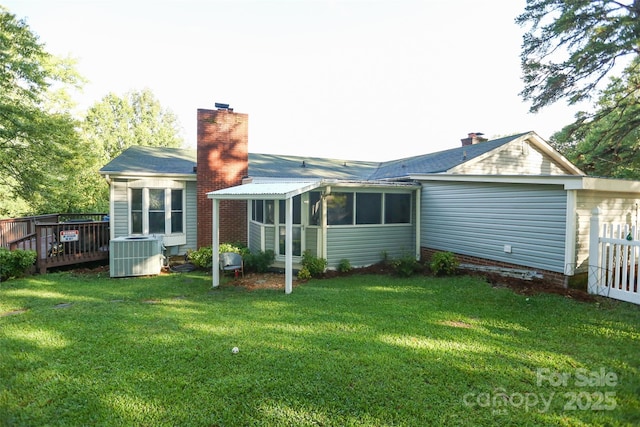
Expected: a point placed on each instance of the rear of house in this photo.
(512, 201)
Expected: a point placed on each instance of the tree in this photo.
(572, 50)
(37, 132)
(588, 143)
(573, 45)
(115, 123)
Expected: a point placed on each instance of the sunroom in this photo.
(363, 222)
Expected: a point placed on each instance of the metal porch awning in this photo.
(272, 190)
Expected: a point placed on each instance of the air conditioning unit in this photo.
(135, 256)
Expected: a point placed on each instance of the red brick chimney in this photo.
(223, 160)
(473, 138)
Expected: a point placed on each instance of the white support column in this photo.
(288, 243)
(594, 253)
(324, 222)
(570, 233)
(215, 243)
(417, 221)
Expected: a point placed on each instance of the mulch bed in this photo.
(252, 281)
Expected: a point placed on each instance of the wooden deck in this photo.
(60, 239)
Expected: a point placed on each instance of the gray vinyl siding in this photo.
(120, 212)
(363, 245)
(191, 217)
(615, 208)
(479, 219)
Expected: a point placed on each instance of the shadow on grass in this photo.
(362, 350)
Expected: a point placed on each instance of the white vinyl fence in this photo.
(614, 252)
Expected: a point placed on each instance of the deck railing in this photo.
(60, 239)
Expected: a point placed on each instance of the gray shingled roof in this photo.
(277, 166)
(159, 161)
(438, 162)
(153, 160)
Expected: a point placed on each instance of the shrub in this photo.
(314, 265)
(344, 266)
(405, 266)
(203, 257)
(15, 263)
(303, 274)
(444, 263)
(259, 261)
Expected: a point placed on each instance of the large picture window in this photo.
(157, 211)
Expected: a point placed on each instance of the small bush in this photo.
(203, 257)
(304, 274)
(344, 266)
(259, 261)
(405, 266)
(314, 265)
(444, 264)
(15, 263)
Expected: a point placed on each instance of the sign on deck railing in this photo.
(60, 239)
(614, 253)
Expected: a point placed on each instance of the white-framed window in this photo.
(156, 210)
(367, 208)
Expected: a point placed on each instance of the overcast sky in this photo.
(345, 79)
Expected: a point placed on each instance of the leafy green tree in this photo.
(589, 143)
(114, 124)
(38, 137)
(573, 49)
(572, 45)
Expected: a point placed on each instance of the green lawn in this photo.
(359, 350)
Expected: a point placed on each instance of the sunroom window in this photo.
(397, 208)
(368, 208)
(262, 211)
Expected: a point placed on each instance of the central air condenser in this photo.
(135, 256)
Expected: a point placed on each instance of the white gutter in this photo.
(569, 182)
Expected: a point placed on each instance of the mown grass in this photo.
(359, 350)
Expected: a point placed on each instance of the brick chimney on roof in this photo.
(222, 161)
(473, 138)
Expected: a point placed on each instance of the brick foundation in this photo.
(222, 162)
(552, 277)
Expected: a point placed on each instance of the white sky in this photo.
(346, 79)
